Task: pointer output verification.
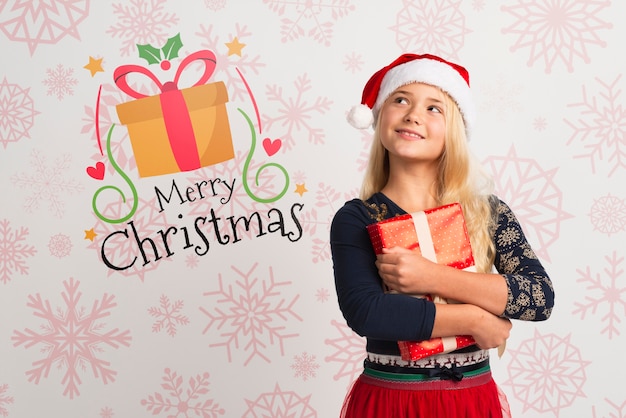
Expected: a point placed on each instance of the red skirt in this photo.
(377, 394)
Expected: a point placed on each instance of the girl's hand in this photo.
(491, 331)
(405, 271)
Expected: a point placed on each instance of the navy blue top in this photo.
(386, 318)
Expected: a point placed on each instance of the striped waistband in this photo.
(397, 373)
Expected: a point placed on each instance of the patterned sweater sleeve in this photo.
(530, 290)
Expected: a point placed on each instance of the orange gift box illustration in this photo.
(179, 129)
(440, 235)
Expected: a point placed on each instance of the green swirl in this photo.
(246, 166)
(117, 189)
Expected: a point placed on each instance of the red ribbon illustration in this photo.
(175, 113)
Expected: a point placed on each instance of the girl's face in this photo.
(412, 123)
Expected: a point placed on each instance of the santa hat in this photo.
(411, 68)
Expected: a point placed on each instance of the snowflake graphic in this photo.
(608, 215)
(620, 410)
(253, 311)
(314, 19)
(546, 373)
(194, 404)
(42, 22)
(168, 316)
(532, 194)
(353, 63)
(349, 352)
(540, 124)
(192, 261)
(13, 251)
(322, 295)
(106, 412)
(435, 26)
(118, 244)
(609, 294)
(280, 403)
(60, 81)
(47, 183)
(72, 338)
(601, 126)
(17, 113)
(215, 5)
(500, 96)
(5, 400)
(557, 30)
(60, 245)
(479, 5)
(228, 67)
(296, 113)
(304, 366)
(316, 222)
(141, 22)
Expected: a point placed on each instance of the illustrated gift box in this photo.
(179, 129)
(440, 235)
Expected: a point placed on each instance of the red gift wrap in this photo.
(440, 235)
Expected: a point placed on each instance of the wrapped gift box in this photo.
(179, 130)
(440, 235)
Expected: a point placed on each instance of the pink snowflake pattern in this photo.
(194, 404)
(168, 315)
(39, 22)
(17, 113)
(438, 27)
(546, 373)
(106, 412)
(601, 126)
(609, 294)
(192, 261)
(608, 215)
(60, 245)
(215, 5)
(620, 410)
(501, 97)
(353, 63)
(322, 295)
(349, 352)
(250, 309)
(308, 18)
(304, 366)
(60, 81)
(557, 30)
(141, 22)
(316, 222)
(5, 400)
(532, 194)
(228, 66)
(478, 5)
(540, 124)
(13, 251)
(280, 403)
(72, 338)
(297, 112)
(47, 183)
(118, 243)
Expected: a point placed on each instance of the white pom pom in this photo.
(360, 117)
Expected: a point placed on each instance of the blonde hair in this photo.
(460, 179)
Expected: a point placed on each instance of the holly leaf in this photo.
(149, 53)
(172, 46)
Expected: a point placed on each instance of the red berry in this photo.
(165, 65)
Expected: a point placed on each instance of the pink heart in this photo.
(272, 147)
(96, 172)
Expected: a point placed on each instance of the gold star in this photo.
(234, 47)
(90, 234)
(94, 65)
(300, 189)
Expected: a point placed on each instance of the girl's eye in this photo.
(434, 109)
(400, 99)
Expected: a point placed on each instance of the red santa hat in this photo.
(411, 68)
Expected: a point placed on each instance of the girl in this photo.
(422, 113)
